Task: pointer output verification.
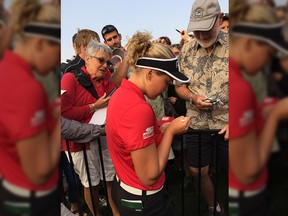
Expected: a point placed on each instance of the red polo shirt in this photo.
(243, 118)
(25, 112)
(131, 125)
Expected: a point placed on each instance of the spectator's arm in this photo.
(78, 132)
(120, 73)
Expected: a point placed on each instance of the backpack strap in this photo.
(85, 82)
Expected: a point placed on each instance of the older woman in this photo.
(79, 104)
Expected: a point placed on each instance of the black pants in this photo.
(208, 155)
(12, 205)
(152, 205)
(258, 205)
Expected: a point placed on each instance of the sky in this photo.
(160, 17)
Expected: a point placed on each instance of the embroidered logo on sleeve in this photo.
(38, 118)
(148, 133)
(247, 118)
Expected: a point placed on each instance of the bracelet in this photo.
(191, 99)
(93, 106)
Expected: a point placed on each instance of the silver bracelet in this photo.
(191, 99)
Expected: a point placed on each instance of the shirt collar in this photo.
(105, 80)
(131, 86)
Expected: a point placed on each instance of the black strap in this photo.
(85, 82)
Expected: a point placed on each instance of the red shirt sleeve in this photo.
(69, 106)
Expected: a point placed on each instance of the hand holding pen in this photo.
(184, 35)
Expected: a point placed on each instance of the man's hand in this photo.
(225, 131)
(200, 103)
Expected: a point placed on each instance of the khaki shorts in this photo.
(94, 164)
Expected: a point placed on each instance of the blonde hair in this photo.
(140, 45)
(242, 11)
(27, 11)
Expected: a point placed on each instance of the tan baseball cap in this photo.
(203, 15)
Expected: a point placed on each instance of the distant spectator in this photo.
(224, 25)
(176, 48)
(82, 38)
(166, 40)
(111, 36)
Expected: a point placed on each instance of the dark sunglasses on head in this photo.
(108, 29)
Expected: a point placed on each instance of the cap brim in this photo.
(167, 66)
(178, 76)
(204, 25)
(263, 33)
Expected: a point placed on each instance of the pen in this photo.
(178, 31)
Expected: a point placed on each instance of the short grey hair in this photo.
(95, 46)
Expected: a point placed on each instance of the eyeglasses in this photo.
(102, 60)
(114, 37)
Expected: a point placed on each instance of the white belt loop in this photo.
(249, 193)
(136, 191)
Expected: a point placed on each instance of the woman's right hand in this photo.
(102, 101)
(179, 125)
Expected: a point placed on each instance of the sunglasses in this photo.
(114, 37)
(108, 29)
(102, 61)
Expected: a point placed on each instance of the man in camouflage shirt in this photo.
(204, 59)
